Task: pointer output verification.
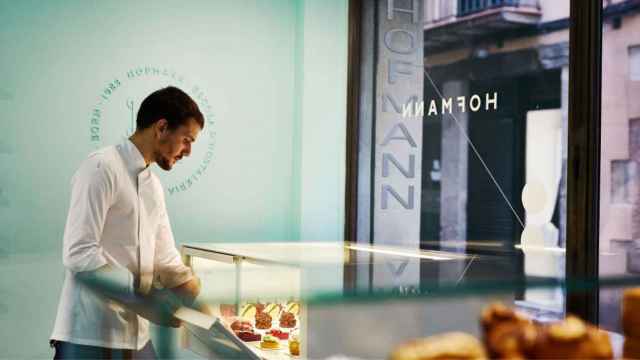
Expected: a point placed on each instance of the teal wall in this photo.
(270, 75)
(323, 131)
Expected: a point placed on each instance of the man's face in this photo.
(172, 145)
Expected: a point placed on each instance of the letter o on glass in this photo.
(388, 41)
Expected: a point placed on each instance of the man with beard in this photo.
(122, 266)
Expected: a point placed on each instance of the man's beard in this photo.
(163, 162)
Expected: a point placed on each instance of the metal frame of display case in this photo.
(583, 162)
(188, 251)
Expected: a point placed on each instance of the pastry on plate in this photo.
(248, 311)
(453, 345)
(279, 334)
(498, 313)
(293, 307)
(248, 336)
(511, 340)
(287, 320)
(273, 310)
(263, 321)
(269, 342)
(507, 334)
(572, 338)
(241, 325)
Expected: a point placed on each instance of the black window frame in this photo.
(583, 161)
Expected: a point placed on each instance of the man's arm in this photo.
(172, 273)
(92, 194)
(113, 283)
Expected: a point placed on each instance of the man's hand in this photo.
(188, 291)
(158, 307)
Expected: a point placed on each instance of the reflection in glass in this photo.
(482, 110)
(620, 152)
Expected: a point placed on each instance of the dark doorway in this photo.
(500, 139)
(496, 176)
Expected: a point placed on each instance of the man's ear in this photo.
(162, 126)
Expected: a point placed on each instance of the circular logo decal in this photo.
(113, 119)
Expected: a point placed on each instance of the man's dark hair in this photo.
(171, 104)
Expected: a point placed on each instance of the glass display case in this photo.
(362, 301)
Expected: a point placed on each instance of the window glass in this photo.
(620, 152)
(471, 139)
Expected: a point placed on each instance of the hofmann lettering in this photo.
(474, 103)
(400, 44)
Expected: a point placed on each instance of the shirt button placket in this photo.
(137, 327)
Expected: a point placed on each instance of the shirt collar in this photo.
(133, 158)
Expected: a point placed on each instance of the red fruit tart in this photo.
(279, 334)
(287, 320)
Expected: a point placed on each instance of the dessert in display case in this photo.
(254, 294)
(321, 300)
(266, 294)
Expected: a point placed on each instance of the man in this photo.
(122, 266)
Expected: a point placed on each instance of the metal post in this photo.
(237, 260)
(585, 66)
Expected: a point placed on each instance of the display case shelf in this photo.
(361, 300)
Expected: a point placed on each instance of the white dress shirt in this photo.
(117, 217)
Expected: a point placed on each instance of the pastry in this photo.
(498, 313)
(507, 334)
(631, 313)
(287, 320)
(279, 334)
(227, 310)
(570, 329)
(294, 346)
(454, 345)
(259, 307)
(248, 336)
(269, 342)
(631, 348)
(248, 311)
(293, 307)
(572, 339)
(511, 340)
(263, 321)
(511, 335)
(241, 325)
(273, 310)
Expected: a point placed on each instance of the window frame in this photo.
(583, 161)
